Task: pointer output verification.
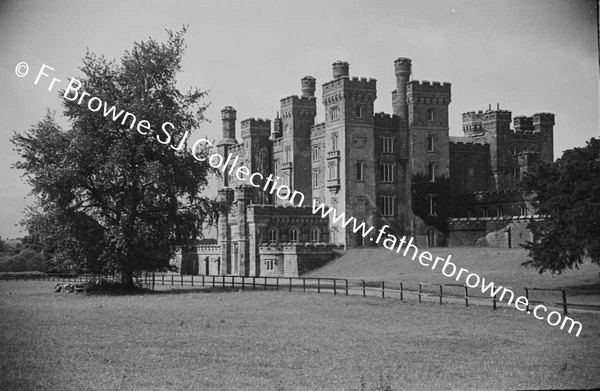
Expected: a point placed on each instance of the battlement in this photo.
(208, 248)
(345, 82)
(547, 118)
(318, 128)
(384, 120)
(237, 150)
(256, 127)
(476, 146)
(427, 86)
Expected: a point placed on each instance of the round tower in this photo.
(403, 70)
(228, 116)
(308, 84)
(340, 68)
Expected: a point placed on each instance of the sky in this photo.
(527, 56)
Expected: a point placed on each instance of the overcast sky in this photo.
(528, 56)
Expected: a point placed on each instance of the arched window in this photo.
(315, 235)
(273, 235)
(430, 237)
(294, 235)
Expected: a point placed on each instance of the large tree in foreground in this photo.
(110, 198)
(567, 192)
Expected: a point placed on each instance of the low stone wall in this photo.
(504, 232)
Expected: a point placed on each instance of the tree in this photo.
(115, 193)
(567, 193)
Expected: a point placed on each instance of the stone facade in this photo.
(400, 169)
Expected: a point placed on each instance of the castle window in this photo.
(270, 265)
(315, 153)
(316, 179)
(332, 170)
(515, 150)
(523, 211)
(335, 113)
(334, 142)
(430, 143)
(429, 114)
(387, 144)
(470, 213)
(334, 232)
(273, 235)
(360, 171)
(315, 235)
(471, 172)
(485, 212)
(294, 235)
(387, 205)
(358, 111)
(387, 172)
(276, 167)
(432, 201)
(287, 154)
(431, 172)
(499, 211)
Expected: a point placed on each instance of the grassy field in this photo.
(279, 341)
(502, 266)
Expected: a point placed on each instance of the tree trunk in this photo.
(127, 279)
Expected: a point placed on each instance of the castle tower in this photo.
(224, 232)
(403, 70)
(257, 148)
(349, 149)
(293, 152)
(544, 124)
(228, 117)
(241, 251)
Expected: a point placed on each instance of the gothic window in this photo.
(387, 144)
(315, 235)
(432, 202)
(273, 235)
(332, 171)
(387, 205)
(431, 172)
(499, 211)
(360, 171)
(485, 212)
(335, 113)
(276, 168)
(429, 114)
(523, 211)
(387, 172)
(287, 154)
(358, 111)
(270, 265)
(430, 143)
(316, 179)
(294, 235)
(315, 153)
(334, 142)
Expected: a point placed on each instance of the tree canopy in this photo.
(112, 197)
(567, 193)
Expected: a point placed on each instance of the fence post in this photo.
(162, 279)
(383, 289)
(232, 282)
(192, 280)
(243, 282)
(527, 297)
(334, 287)
(181, 275)
(253, 282)
(276, 283)
(494, 301)
(265, 283)
(420, 292)
(172, 278)
(318, 285)
(440, 294)
(564, 297)
(466, 296)
(223, 283)
(303, 284)
(364, 291)
(401, 292)
(203, 280)
(346, 287)
(290, 284)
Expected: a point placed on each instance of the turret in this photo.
(403, 70)
(228, 116)
(308, 86)
(340, 68)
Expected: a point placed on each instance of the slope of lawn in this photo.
(279, 341)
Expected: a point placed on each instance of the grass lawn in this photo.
(279, 341)
(502, 266)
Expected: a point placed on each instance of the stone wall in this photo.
(503, 232)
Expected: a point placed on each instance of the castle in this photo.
(402, 170)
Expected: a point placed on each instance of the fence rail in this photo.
(422, 291)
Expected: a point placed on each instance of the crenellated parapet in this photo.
(256, 127)
(432, 93)
(386, 121)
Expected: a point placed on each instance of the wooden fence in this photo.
(421, 291)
